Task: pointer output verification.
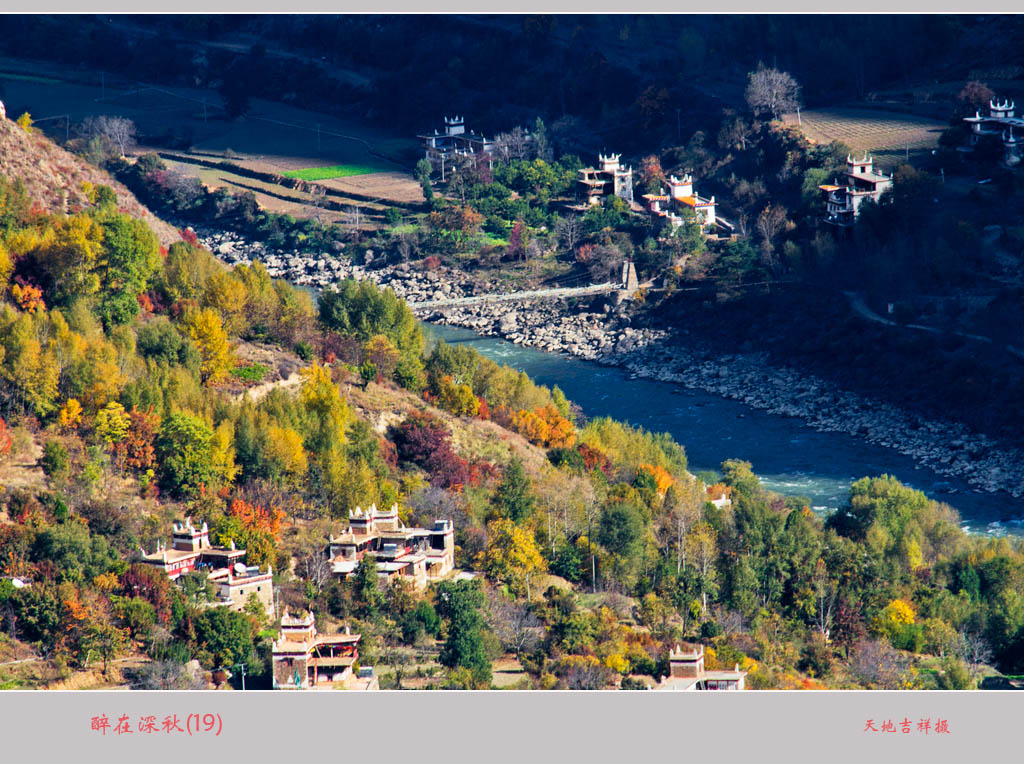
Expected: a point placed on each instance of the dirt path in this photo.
(259, 391)
(862, 309)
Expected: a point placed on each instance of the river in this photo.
(788, 456)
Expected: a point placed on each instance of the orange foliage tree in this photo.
(544, 426)
(662, 480)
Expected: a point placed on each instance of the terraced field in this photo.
(888, 136)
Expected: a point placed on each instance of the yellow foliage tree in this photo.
(222, 453)
(458, 399)
(217, 358)
(382, 353)
(511, 556)
(29, 366)
(70, 414)
(284, 449)
(617, 663)
(321, 397)
(226, 294)
(897, 613)
(113, 423)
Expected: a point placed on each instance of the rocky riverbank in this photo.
(599, 330)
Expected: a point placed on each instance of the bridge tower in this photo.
(630, 283)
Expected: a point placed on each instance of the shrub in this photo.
(304, 350)
(55, 460)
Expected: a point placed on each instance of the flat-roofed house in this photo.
(609, 178)
(304, 659)
(681, 195)
(441, 148)
(191, 549)
(234, 582)
(844, 198)
(687, 672)
(419, 555)
(998, 124)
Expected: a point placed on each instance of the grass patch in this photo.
(252, 373)
(334, 171)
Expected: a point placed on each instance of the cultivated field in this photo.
(886, 135)
(272, 137)
(334, 171)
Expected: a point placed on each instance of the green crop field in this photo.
(334, 171)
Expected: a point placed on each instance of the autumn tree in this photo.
(682, 506)
(285, 455)
(321, 398)
(651, 175)
(70, 415)
(511, 556)
(455, 224)
(974, 96)
(6, 442)
(458, 399)
(112, 423)
(772, 92)
(382, 353)
(702, 549)
(206, 329)
(138, 448)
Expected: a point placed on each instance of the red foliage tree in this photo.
(137, 450)
(594, 458)
(152, 585)
(424, 441)
(6, 443)
(189, 236)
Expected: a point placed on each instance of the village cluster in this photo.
(305, 659)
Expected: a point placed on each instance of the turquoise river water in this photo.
(790, 457)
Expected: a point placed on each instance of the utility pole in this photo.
(242, 667)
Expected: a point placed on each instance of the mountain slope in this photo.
(54, 178)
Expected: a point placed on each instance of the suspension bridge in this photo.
(628, 284)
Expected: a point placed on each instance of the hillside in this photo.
(54, 177)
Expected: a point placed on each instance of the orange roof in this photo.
(694, 201)
(829, 187)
